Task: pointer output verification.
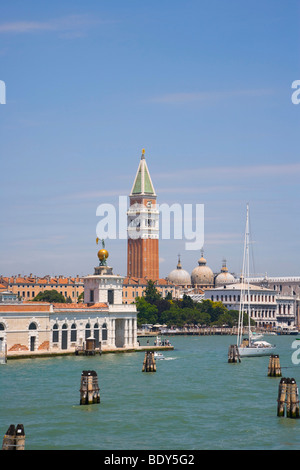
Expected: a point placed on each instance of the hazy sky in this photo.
(203, 85)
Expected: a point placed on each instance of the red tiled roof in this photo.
(45, 307)
(135, 281)
(56, 281)
(79, 305)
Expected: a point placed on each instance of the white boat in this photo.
(249, 347)
(289, 330)
(256, 336)
(256, 348)
(158, 355)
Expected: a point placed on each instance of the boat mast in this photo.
(248, 273)
(242, 296)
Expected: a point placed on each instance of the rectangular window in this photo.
(110, 296)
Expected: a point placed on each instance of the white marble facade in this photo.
(32, 327)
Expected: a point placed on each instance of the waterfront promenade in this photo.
(150, 346)
(72, 351)
(213, 330)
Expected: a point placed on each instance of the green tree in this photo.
(214, 309)
(203, 318)
(172, 316)
(51, 296)
(187, 302)
(147, 313)
(225, 319)
(151, 293)
(162, 305)
(234, 317)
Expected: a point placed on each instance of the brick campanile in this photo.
(142, 226)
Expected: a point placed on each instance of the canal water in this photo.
(194, 401)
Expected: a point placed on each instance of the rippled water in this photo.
(195, 400)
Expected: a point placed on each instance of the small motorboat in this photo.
(158, 355)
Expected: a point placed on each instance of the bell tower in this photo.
(142, 226)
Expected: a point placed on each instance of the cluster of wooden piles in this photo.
(233, 354)
(149, 364)
(274, 369)
(288, 398)
(89, 388)
(14, 439)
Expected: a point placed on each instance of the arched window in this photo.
(73, 332)
(104, 332)
(87, 330)
(2, 327)
(64, 336)
(96, 334)
(32, 326)
(55, 333)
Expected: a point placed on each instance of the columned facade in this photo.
(39, 328)
(268, 309)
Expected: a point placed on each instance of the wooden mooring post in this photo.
(281, 397)
(89, 388)
(14, 439)
(288, 397)
(293, 411)
(233, 354)
(274, 369)
(149, 364)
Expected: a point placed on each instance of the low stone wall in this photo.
(23, 354)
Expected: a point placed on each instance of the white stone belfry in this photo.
(103, 286)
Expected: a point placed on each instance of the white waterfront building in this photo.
(268, 308)
(42, 328)
(106, 288)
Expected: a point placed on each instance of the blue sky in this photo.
(203, 86)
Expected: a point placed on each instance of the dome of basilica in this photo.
(224, 277)
(202, 275)
(179, 276)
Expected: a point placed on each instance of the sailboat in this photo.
(248, 347)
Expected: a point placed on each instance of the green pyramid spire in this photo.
(142, 183)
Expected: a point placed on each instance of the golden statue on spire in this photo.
(102, 254)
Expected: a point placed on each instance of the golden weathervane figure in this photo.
(102, 254)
